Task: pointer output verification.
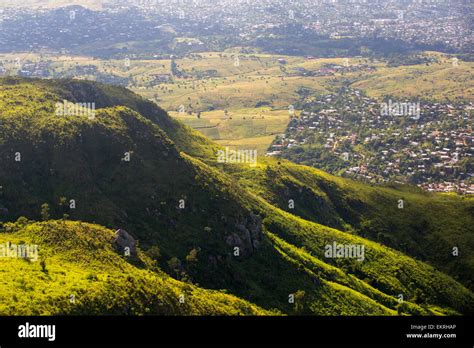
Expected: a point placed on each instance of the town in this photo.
(349, 134)
(180, 27)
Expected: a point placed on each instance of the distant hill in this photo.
(92, 4)
(217, 226)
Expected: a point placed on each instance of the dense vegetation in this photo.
(205, 224)
(80, 273)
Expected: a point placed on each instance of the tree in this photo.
(22, 221)
(45, 211)
(192, 256)
(175, 264)
(299, 301)
(62, 201)
(43, 266)
(154, 252)
(418, 296)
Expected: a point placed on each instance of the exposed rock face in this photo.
(124, 242)
(247, 235)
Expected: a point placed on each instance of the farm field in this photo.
(245, 100)
(447, 79)
(230, 80)
(253, 128)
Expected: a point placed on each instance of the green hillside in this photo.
(83, 274)
(427, 228)
(205, 224)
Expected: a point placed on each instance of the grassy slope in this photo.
(85, 275)
(427, 228)
(441, 81)
(143, 196)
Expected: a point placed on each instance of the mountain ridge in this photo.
(172, 195)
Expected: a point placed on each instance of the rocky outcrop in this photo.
(247, 235)
(124, 242)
